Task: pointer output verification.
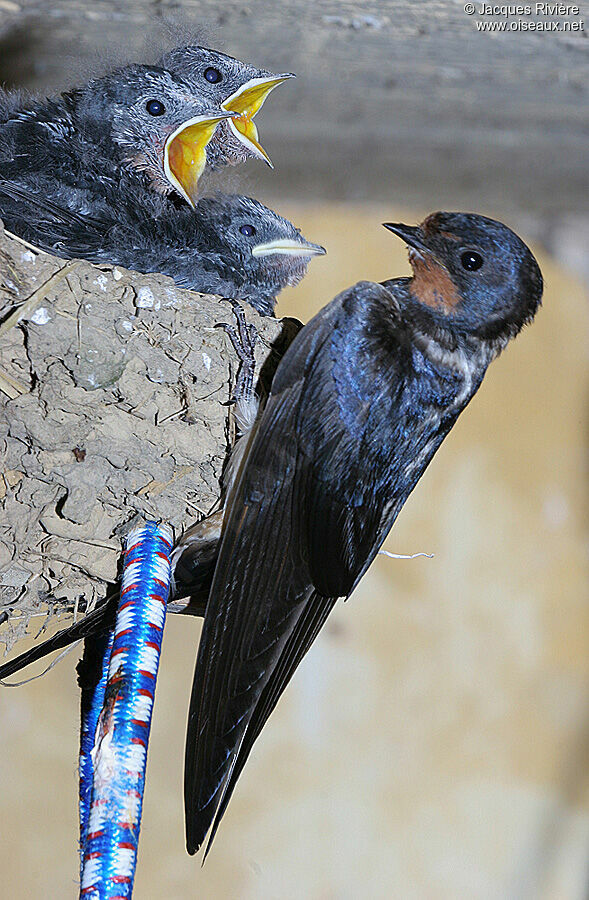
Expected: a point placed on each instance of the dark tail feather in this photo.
(99, 620)
(194, 576)
(307, 629)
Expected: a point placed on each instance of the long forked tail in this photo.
(193, 566)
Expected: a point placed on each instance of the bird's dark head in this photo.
(151, 121)
(474, 274)
(233, 85)
(269, 251)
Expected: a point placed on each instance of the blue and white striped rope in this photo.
(97, 652)
(119, 755)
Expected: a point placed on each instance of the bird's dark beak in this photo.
(288, 247)
(245, 103)
(415, 239)
(411, 234)
(185, 152)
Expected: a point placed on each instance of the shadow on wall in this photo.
(20, 46)
(48, 57)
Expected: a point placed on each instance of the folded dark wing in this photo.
(310, 622)
(297, 532)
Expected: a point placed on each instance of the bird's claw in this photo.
(243, 339)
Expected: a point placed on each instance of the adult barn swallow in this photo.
(359, 404)
(232, 85)
(365, 395)
(227, 244)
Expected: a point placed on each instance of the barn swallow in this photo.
(232, 85)
(150, 121)
(358, 406)
(398, 361)
(227, 244)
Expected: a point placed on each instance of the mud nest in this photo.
(114, 408)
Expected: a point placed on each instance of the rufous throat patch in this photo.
(432, 284)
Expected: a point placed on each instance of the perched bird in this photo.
(359, 404)
(228, 244)
(232, 85)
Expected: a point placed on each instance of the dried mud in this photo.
(114, 408)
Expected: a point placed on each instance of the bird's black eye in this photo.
(213, 76)
(155, 107)
(248, 230)
(471, 260)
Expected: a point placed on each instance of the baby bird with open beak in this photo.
(131, 126)
(144, 125)
(233, 85)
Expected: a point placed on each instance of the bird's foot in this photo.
(243, 338)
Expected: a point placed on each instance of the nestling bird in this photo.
(143, 124)
(359, 404)
(228, 244)
(232, 85)
(138, 124)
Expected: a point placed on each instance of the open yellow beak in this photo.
(185, 153)
(245, 103)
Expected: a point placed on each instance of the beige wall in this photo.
(434, 744)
